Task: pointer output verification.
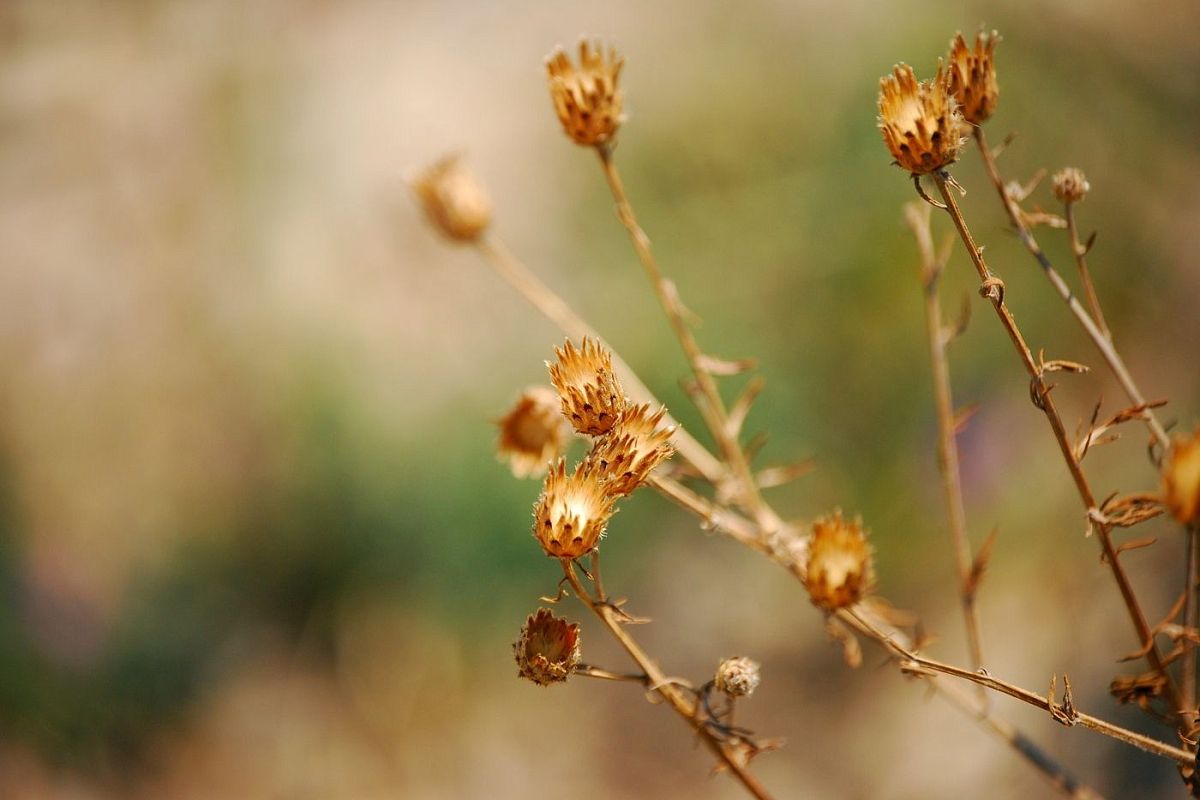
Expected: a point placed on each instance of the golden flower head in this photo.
(1070, 185)
(920, 121)
(1181, 478)
(625, 456)
(839, 570)
(454, 200)
(591, 396)
(533, 432)
(971, 76)
(570, 515)
(737, 676)
(547, 651)
(587, 99)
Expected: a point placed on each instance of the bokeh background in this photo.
(254, 541)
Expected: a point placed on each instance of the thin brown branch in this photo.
(682, 704)
(1191, 616)
(993, 288)
(917, 216)
(1102, 342)
(711, 406)
(1065, 712)
(1080, 251)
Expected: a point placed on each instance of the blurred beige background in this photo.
(254, 541)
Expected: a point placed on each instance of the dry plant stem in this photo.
(993, 291)
(743, 531)
(1102, 342)
(716, 417)
(917, 664)
(1085, 275)
(680, 702)
(947, 446)
(1191, 616)
(555, 309)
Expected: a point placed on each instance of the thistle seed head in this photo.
(971, 76)
(624, 457)
(587, 99)
(1181, 478)
(455, 202)
(839, 563)
(1070, 185)
(547, 651)
(533, 432)
(590, 394)
(570, 516)
(737, 677)
(920, 121)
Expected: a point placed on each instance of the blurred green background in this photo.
(254, 541)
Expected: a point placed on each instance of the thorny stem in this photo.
(1080, 253)
(992, 288)
(711, 407)
(918, 220)
(916, 664)
(555, 309)
(1102, 342)
(680, 702)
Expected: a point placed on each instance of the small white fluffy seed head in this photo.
(1070, 185)
(737, 677)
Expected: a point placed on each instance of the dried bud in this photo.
(533, 432)
(1181, 479)
(571, 513)
(624, 457)
(1070, 185)
(591, 396)
(839, 570)
(547, 650)
(971, 76)
(454, 201)
(587, 99)
(920, 121)
(737, 676)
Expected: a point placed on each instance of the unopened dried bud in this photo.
(839, 570)
(547, 651)
(1181, 478)
(591, 396)
(971, 76)
(1070, 185)
(587, 100)
(570, 515)
(737, 677)
(533, 432)
(624, 457)
(454, 200)
(920, 122)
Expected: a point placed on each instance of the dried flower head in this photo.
(971, 76)
(839, 570)
(454, 200)
(547, 651)
(1181, 478)
(920, 121)
(624, 457)
(570, 515)
(1070, 185)
(737, 676)
(591, 396)
(587, 99)
(533, 432)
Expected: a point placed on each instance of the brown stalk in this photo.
(1080, 251)
(993, 289)
(1065, 712)
(917, 217)
(665, 687)
(1191, 618)
(1102, 342)
(711, 406)
(555, 309)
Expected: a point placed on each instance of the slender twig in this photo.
(1080, 251)
(711, 406)
(589, 671)
(678, 700)
(993, 289)
(1065, 712)
(555, 309)
(1191, 615)
(1102, 342)
(918, 220)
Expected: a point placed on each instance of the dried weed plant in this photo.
(926, 126)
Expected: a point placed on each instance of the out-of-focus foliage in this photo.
(253, 537)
